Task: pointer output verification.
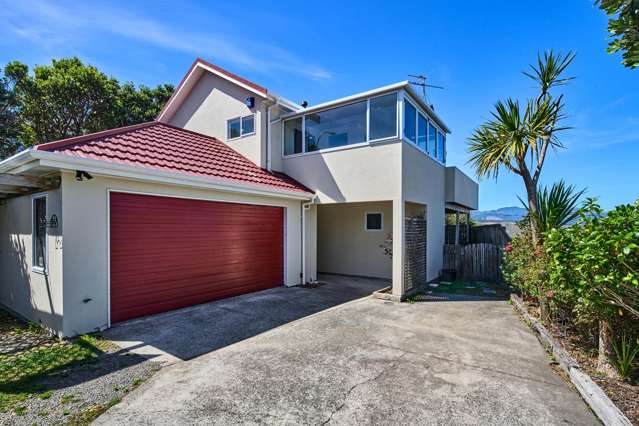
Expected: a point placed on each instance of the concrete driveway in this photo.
(365, 362)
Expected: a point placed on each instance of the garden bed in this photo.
(46, 380)
(584, 350)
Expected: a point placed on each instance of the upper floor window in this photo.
(383, 116)
(240, 126)
(432, 140)
(410, 122)
(293, 136)
(345, 125)
(357, 122)
(441, 147)
(422, 130)
(39, 231)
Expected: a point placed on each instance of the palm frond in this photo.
(558, 206)
(549, 68)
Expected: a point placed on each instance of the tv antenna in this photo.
(420, 80)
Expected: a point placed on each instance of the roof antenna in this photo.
(420, 80)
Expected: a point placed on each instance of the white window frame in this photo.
(381, 215)
(368, 141)
(34, 267)
(241, 118)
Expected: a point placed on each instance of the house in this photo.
(232, 189)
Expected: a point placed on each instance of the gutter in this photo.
(105, 168)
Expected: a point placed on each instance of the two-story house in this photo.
(233, 189)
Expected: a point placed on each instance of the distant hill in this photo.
(504, 214)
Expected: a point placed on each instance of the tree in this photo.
(139, 105)
(63, 100)
(557, 207)
(517, 139)
(66, 99)
(624, 29)
(9, 122)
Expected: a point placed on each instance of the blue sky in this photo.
(318, 51)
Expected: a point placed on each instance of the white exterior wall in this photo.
(85, 205)
(35, 295)
(425, 183)
(365, 173)
(345, 247)
(211, 103)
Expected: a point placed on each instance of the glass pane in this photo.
(409, 121)
(248, 125)
(374, 221)
(432, 140)
(293, 136)
(39, 230)
(233, 128)
(345, 125)
(440, 147)
(422, 127)
(383, 117)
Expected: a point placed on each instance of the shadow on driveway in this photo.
(189, 332)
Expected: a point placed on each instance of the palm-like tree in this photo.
(517, 138)
(557, 207)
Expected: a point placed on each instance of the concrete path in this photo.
(367, 362)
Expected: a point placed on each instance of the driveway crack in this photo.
(356, 385)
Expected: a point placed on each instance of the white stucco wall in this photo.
(461, 189)
(213, 101)
(86, 261)
(364, 173)
(345, 247)
(424, 183)
(35, 295)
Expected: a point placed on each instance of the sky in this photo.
(319, 51)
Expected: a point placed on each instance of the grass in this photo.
(86, 416)
(20, 371)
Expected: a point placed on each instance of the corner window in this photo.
(345, 125)
(422, 127)
(383, 117)
(39, 231)
(374, 222)
(409, 121)
(241, 126)
(293, 136)
(441, 147)
(432, 140)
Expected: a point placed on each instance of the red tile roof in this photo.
(164, 147)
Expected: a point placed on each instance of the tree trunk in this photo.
(533, 208)
(604, 361)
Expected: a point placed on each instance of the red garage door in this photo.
(168, 253)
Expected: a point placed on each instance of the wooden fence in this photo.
(477, 262)
(493, 234)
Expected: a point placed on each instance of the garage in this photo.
(167, 253)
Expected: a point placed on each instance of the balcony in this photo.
(461, 191)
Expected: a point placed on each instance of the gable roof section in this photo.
(164, 147)
(193, 75)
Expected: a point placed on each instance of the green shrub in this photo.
(524, 266)
(626, 350)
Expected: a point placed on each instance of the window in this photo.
(383, 117)
(432, 140)
(345, 125)
(409, 121)
(293, 136)
(39, 231)
(241, 126)
(234, 129)
(441, 147)
(373, 222)
(422, 127)
(248, 125)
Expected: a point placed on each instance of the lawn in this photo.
(29, 353)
